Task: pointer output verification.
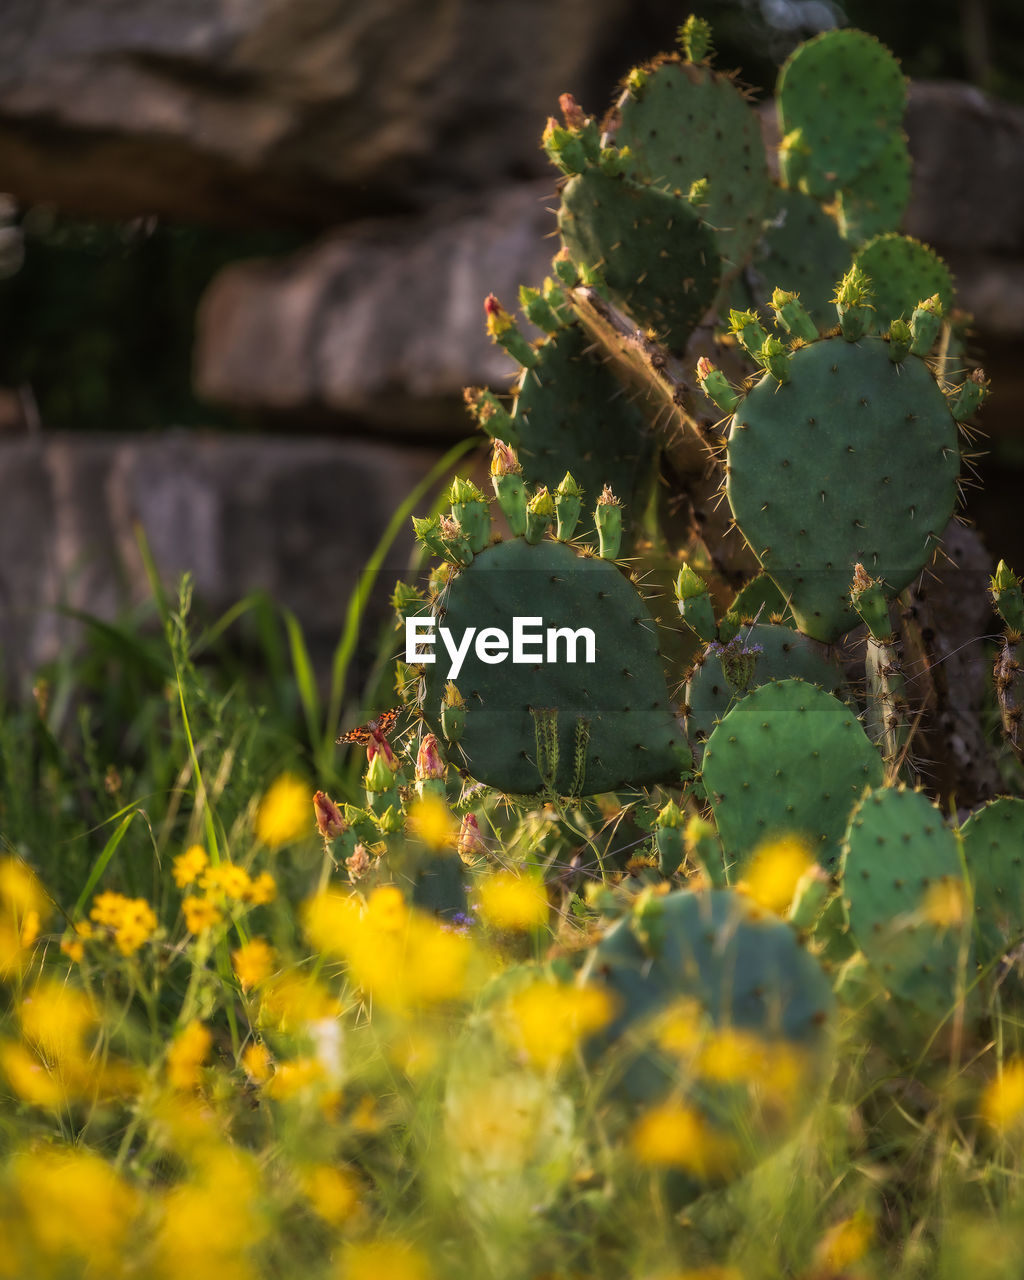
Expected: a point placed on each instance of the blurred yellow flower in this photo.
(200, 914)
(20, 890)
(547, 1020)
(383, 1260)
(673, 1135)
(187, 1054)
(333, 1192)
(30, 1079)
(514, 902)
(945, 903)
(295, 1077)
(230, 880)
(190, 865)
(73, 944)
(845, 1243)
(261, 890)
(55, 1018)
(254, 962)
(774, 871)
(284, 812)
(680, 1030)
(432, 820)
(130, 920)
(291, 1000)
(1002, 1103)
(730, 1055)
(79, 1213)
(210, 1223)
(257, 1063)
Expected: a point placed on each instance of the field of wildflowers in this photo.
(233, 1046)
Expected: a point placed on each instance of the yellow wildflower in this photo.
(333, 1192)
(774, 871)
(210, 1223)
(56, 1018)
(257, 1063)
(253, 962)
(375, 1259)
(386, 908)
(546, 1020)
(187, 1054)
(190, 865)
(73, 944)
(290, 1001)
(20, 890)
(432, 820)
(200, 914)
(680, 1030)
(30, 1079)
(731, 1056)
(845, 1243)
(137, 926)
(230, 880)
(107, 909)
(945, 903)
(673, 1135)
(284, 812)
(1002, 1103)
(79, 1212)
(262, 890)
(510, 901)
(295, 1077)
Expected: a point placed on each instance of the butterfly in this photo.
(380, 727)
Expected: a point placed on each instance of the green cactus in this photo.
(993, 840)
(906, 899)
(787, 760)
(695, 975)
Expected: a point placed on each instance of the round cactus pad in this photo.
(854, 460)
(688, 123)
(602, 725)
(708, 967)
(787, 760)
(903, 272)
(657, 257)
(845, 92)
(874, 202)
(802, 252)
(905, 897)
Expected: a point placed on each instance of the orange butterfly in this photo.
(380, 727)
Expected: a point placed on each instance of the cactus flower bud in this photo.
(900, 339)
(472, 512)
(689, 584)
(380, 772)
(407, 599)
(538, 309)
(429, 763)
(490, 414)
(454, 541)
(747, 328)
(464, 490)
(853, 303)
(540, 511)
(504, 461)
(792, 315)
(695, 38)
(698, 193)
(608, 519)
(453, 712)
(668, 838)
(775, 358)
(868, 597)
(695, 605)
(568, 501)
(471, 846)
(501, 328)
(378, 745)
(507, 479)
(715, 386)
(329, 819)
(573, 113)
(925, 324)
(636, 82)
(702, 845)
(428, 532)
(1005, 589)
(970, 396)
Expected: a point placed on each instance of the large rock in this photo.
(270, 110)
(295, 517)
(383, 322)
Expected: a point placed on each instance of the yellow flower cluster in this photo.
(513, 902)
(396, 955)
(285, 812)
(222, 885)
(674, 1135)
(130, 922)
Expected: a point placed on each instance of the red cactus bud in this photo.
(573, 112)
(704, 368)
(379, 744)
(429, 763)
(471, 842)
(330, 821)
(504, 461)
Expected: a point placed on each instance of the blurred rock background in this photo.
(245, 246)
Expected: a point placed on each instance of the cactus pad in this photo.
(853, 460)
(689, 123)
(903, 271)
(784, 654)
(657, 257)
(994, 850)
(845, 93)
(902, 879)
(874, 202)
(801, 251)
(788, 759)
(575, 728)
